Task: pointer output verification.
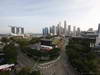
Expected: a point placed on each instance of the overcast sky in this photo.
(33, 15)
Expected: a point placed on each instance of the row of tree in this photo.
(10, 51)
(80, 55)
(10, 48)
(37, 54)
(23, 71)
(21, 41)
(26, 71)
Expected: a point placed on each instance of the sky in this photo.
(33, 15)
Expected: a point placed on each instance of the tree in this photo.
(5, 73)
(22, 42)
(81, 56)
(26, 71)
(4, 40)
(35, 73)
(34, 40)
(11, 52)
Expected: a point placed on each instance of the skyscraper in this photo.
(53, 30)
(65, 28)
(22, 30)
(58, 29)
(74, 30)
(98, 29)
(50, 30)
(78, 32)
(45, 31)
(69, 30)
(17, 30)
(98, 38)
(13, 31)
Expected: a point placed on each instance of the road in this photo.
(62, 66)
(24, 60)
(67, 68)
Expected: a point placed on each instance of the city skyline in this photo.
(33, 15)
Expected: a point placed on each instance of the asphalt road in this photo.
(62, 67)
(24, 60)
(69, 70)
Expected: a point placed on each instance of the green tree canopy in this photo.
(5, 73)
(35, 40)
(26, 71)
(11, 52)
(4, 40)
(81, 56)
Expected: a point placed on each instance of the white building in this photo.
(17, 31)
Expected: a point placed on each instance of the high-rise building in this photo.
(58, 29)
(53, 30)
(45, 31)
(78, 32)
(13, 31)
(98, 38)
(69, 30)
(90, 30)
(74, 30)
(98, 29)
(65, 28)
(22, 30)
(17, 30)
(61, 30)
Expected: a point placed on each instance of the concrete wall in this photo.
(49, 68)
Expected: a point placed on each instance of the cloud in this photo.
(40, 13)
